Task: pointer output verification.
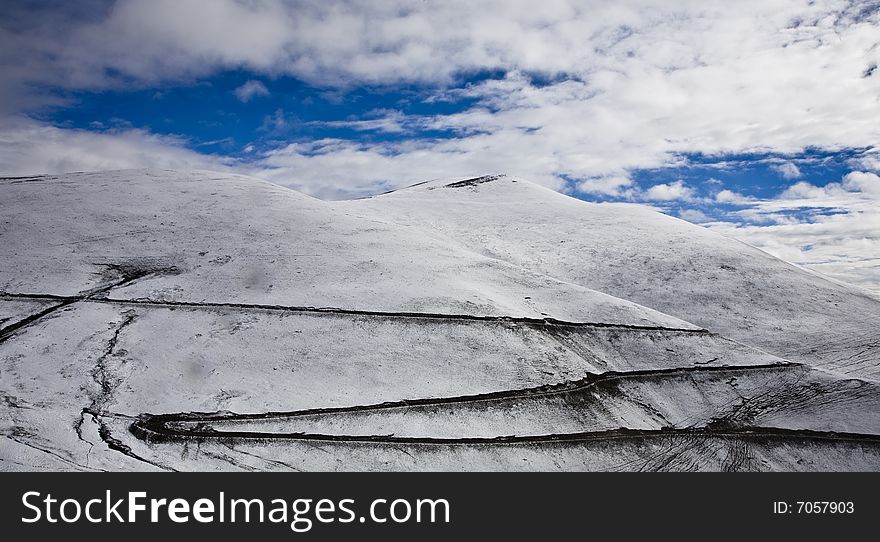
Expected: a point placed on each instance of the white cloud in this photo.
(833, 229)
(250, 89)
(385, 121)
(29, 147)
(275, 123)
(669, 192)
(788, 170)
(862, 181)
(607, 186)
(729, 196)
(694, 215)
(867, 161)
(338, 169)
(804, 190)
(631, 84)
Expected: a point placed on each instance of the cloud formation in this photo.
(597, 88)
(28, 147)
(833, 229)
(669, 191)
(250, 89)
(788, 170)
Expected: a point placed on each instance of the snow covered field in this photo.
(203, 321)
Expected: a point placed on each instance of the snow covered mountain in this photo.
(202, 321)
(652, 259)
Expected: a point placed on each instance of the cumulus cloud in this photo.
(869, 160)
(606, 88)
(617, 186)
(788, 170)
(833, 229)
(29, 147)
(729, 196)
(803, 190)
(339, 168)
(250, 89)
(868, 183)
(669, 192)
(694, 215)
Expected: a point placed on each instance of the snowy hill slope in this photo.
(654, 260)
(203, 321)
(205, 237)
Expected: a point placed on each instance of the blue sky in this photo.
(758, 120)
(211, 118)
